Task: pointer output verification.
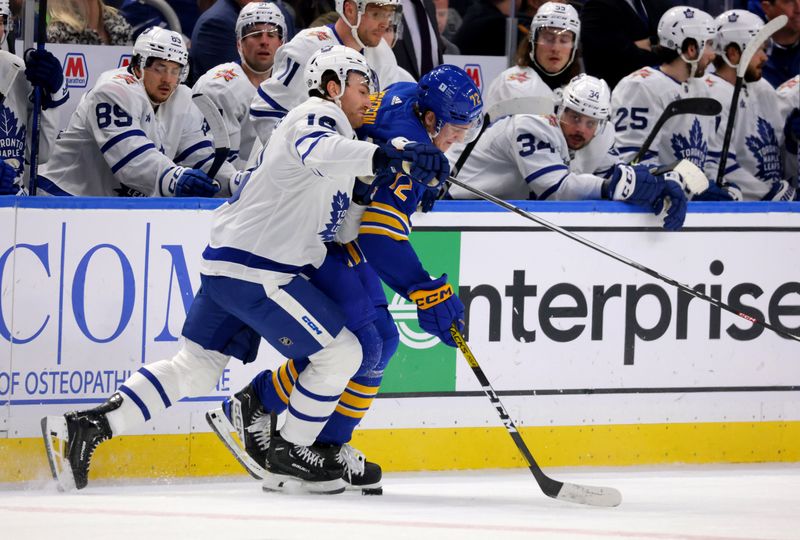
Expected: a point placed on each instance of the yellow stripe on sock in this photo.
(278, 389)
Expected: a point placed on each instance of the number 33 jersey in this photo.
(116, 145)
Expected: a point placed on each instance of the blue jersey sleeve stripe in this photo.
(546, 170)
(251, 260)
(291, 74)
(552, 189)
(124, 135)
(310, 136)
(50, 187)
(192, 149)
(58, 102)
(267, 114)
(124, 161)
(199, 164)
(312, 145)
(271, 102)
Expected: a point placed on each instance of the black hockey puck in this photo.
(372, 491)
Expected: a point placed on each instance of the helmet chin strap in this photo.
(354, 30)
(246, 64)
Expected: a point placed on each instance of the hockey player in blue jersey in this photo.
(444, 108)
(259, 279)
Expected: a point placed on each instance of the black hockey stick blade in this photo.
(219, 133)
(621, 258)
(563, 491)
(697, 105)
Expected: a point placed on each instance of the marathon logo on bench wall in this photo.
(76, 70)
(475, 73)
(124, 60)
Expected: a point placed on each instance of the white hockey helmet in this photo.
(339, 59)
(260, 13)
(361, 7)
(681, 23)
(556, 15)
(157, 42)
(587, 95)
(735, 27)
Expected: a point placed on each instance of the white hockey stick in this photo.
(216, 124)
(223, 428)
(15, 66)
(749, 52)
(54, 430)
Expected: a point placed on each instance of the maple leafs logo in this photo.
(12, 137)
(694, 149)
(767, 152)
(339, 205)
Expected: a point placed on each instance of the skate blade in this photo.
(366, 489)
(223, 428)
(55, 435)
(295, 486)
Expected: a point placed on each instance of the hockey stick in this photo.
(750, 50)
(697, 105)
(509, 107)
(621, 258)
(41, 38)
(216, 124)
(15, 62)
(576, 493)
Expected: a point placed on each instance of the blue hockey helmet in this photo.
(450, 93)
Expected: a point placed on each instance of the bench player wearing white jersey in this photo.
(789, 105)
(260, 30)
(685, 37)
(757, 141)
(361, 26)
(16, 108)
(137, 132)
(253, 285)
(527, 156)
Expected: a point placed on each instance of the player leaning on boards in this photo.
(260, 30)
(137, 132)
(41, 69)
(361, 26)
(443, 109)
(684, 43)
(527, 156)
(262, 242)
(757, 147)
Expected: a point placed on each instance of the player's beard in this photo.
(752, 74)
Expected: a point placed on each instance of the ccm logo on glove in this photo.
(427, 299)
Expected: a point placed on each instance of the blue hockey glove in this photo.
(780, 190)
(429, 198)
(437, 308)
(42, 69)
(674, 199)
(728, 192)
(635, 185)
(195, 183)
(792, 132)
(423, 162)
(7, 176)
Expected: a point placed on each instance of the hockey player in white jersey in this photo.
(260, 30)
(263, 242)
(528, 156)
(789, 105)
(757, 152)
(137, 132)
(361, 26)
(685, 37)
(16, 108)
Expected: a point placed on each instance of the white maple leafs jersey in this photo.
(638, 101)
(15, 119)
(231, 91)
(294, 202)
(525, 156)
(116, 145)
(286, 88)
(757, 141)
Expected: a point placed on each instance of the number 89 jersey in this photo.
(116, 145)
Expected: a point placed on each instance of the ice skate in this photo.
(301, 469)
(359, 474)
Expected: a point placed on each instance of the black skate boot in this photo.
(291, 467)
(359, 474)
(71, 440)
(244, 414)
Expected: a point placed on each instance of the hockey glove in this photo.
(423, 162)
(429, 198)
(42, 69)
(673, 200)
(635, 185)
(195, 183)
(437, 308)
(780, 190)
(7, 176)
(728, 192)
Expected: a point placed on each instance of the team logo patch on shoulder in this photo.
(791, 83)
(643, 73)
(227, 74)
(552, 119)
(320, 35)
(519, 77)
(396, 100)
(127, 77)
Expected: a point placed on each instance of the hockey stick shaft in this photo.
(41, 38)
(621, 258)
(750, 50)
(218, 131)
(700, 106)
(596, 496)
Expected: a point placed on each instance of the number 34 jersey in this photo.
(116, 145)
